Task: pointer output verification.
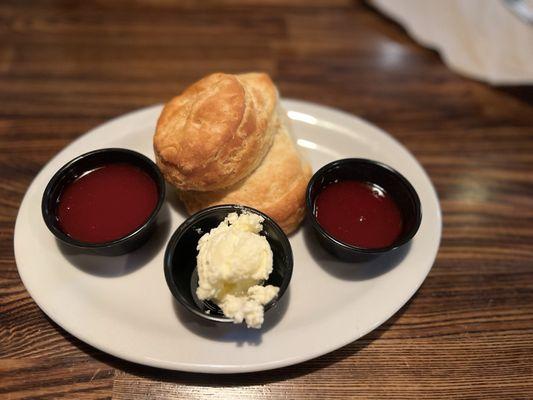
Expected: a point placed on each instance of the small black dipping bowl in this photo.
(359, 169)
(180, 259)
(87, 162)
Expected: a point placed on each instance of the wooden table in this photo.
(468, 332)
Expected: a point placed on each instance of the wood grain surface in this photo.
(66, 66)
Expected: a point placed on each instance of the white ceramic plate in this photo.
(122, 305)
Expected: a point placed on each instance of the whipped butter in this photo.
(233, 261)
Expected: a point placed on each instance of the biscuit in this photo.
(217, 131)
(277, 187)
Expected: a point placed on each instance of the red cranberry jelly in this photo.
(358, 213)
(107, 203)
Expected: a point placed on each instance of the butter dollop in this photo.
(233, 260)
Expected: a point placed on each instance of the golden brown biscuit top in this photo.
(214, 133)
(210, 109)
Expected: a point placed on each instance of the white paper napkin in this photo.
(481, 39)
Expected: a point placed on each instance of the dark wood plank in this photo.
(41, 378)
(67, 66)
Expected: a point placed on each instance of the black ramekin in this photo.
(359, 169)
(86, 162)
(181, 252)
